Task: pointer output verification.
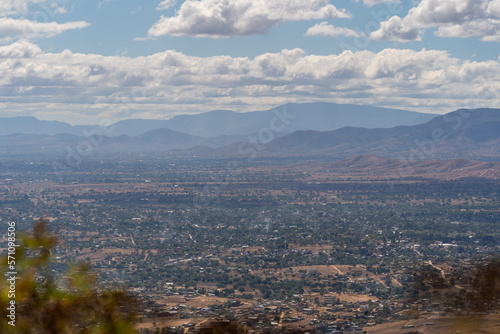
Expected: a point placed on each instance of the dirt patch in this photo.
(433, 324)
(354, 298)
(201, 301)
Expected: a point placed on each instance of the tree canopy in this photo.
(39, 300)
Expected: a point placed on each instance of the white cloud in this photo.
(493, 9)
(453, 18)
(165, 4)
(104, 3)
(325, 29)
(222, 18)
(488, 29)
(396, 29)
(6, 40)
(19, 7)
(30, 29)
(142, 39)
(21, 49)
(93, 84)
(11, 7)
(371, 3)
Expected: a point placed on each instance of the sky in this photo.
(101, 61)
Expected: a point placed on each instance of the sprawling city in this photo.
(249, 167)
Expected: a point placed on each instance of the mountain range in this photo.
(306, 116)
(462, 134)
(472, 134)
(152, 141)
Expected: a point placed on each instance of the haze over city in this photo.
(250, 166)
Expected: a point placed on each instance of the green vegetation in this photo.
(46, 302)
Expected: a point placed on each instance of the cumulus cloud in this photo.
(222, 18)
(325, 29)
(493, 9)
(488, 30)
(396, 29)
(21, 49)
(453, 18)
(95, 84)
(31, 29)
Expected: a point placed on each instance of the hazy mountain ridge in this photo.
(470, 134)
(306, 116)
(152, 141)
(459, 134)
(32, 125)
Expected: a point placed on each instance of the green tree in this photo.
(47, 303)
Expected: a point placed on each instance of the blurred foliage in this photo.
(486, 286)
(477, 290)
(49, 303)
